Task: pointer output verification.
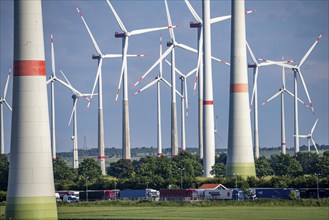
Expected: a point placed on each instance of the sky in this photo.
(276, 29)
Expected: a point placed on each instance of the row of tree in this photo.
(186, 169)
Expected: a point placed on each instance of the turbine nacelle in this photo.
(119, 35)
(169, 43)
(195, 25)
(96, 57)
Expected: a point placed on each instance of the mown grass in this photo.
(259, 209)
(226, 212)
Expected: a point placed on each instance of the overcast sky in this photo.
(278, 28)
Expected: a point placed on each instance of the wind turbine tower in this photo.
(240, 159)
(31, 193)
(208, 103)
(4, 101)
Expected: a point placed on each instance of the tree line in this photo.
(276, 171)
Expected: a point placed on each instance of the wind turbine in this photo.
(99, 57)
(199, 73)
(171, 49)
(4, 101)
(309, 138)
(52, 80)
(157, 81)
(124, 76)
(75, 96)
(184, 97)
(281, 92)
(254, 97)
(297, 72)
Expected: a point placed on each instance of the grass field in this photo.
(196, 212)
(227, 212)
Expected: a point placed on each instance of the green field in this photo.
(226, 212)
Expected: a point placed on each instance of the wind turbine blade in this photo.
(143, 31)
(147, 86)
(52, 55)
(164, 55)
(68, 82)
(273, 97)
(252, 54)
(171, 31)
(99, 70)
(185, 47)
(191, 72)
(310, 50)
(123, 67)
(301, 136)
(200, 49)
(254, 87)
(219, 19)
(67, 86)
(186, 96)
(193, 12)
(166, 82)
(223, 18)
(120, 55)
(306, 90)
(290, 93)
(7, 82)
(314, 145)
(89, 32)
(221, 61)
(177, 70)
(8, 105)
(314, 126)
(73, 110)
(117, 18)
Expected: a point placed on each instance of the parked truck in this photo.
(223, 194)
(178, 194)
(275, 193)
(95, 195)
(140, 194)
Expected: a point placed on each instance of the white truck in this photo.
(70, 198)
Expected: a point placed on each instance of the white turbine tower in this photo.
(124, 76)
(4, 101)
(184, 97)
(52, 80)
(75, 96)
(309, 138)
(100, 56)
(281, 92)
(297, 72)
(199, 73)
(254, 96)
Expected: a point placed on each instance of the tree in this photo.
(65, 177)
(218, 169)
(123, 168)
(221, 158)
(308, 161)
(4, 171)
(263, 167)
(285, 165)
(90, 169)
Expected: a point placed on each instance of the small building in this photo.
(212, 186)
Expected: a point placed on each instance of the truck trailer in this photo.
(275, 193)
(139, 194)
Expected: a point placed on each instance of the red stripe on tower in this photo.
(29, 68)
(208, 102)
(239, 87)
(101, 157)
